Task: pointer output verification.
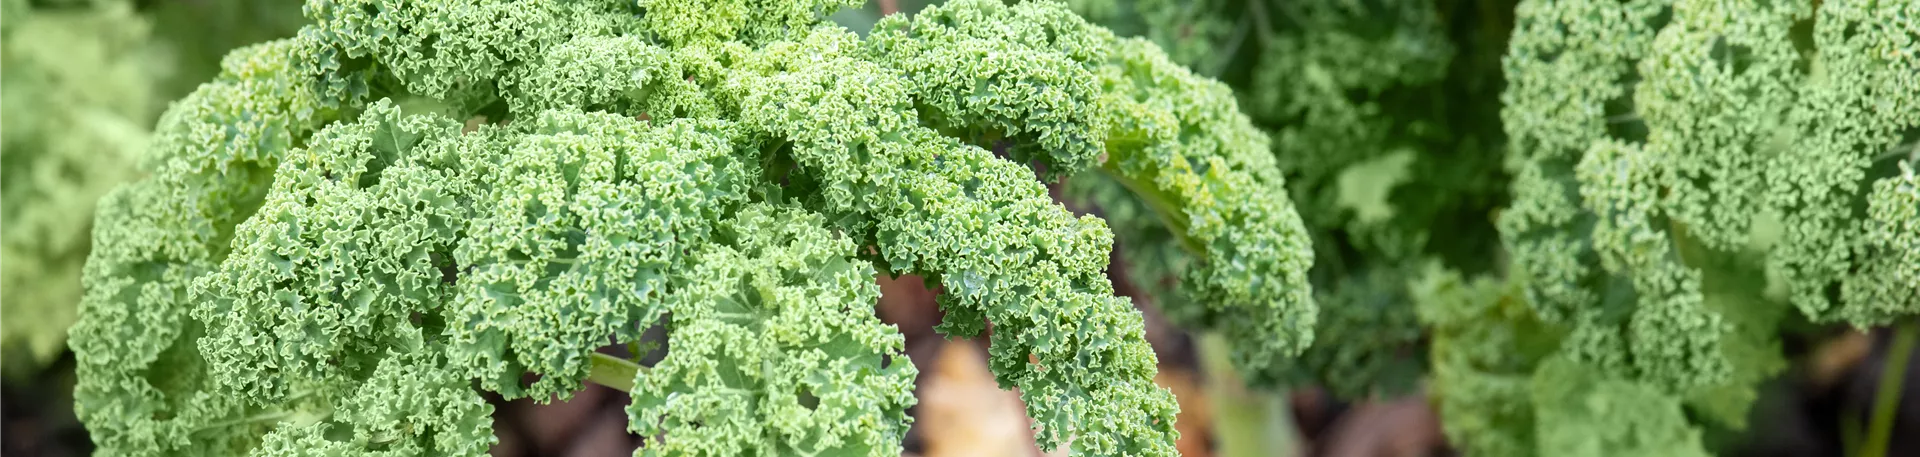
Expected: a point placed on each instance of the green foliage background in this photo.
(84, 82)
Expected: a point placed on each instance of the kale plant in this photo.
(1686, 175)
(347, 235)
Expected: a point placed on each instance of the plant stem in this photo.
(612, 372)
(1892, 381)
(1246, 422)
(1850, 431)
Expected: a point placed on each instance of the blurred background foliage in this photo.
(84, 82)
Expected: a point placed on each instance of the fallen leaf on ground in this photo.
(1195, 421)
(963, 412)
(1834, 357)
(1403, 427)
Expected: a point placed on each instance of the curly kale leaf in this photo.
(1170, 138)
(1485, 346)
(1562, 246)
(1505, 385)
(770, 355)
(578, 224)
(1700, 141)
(981, 226)
(1190, 155)
(1688, 172)
(145, 388)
